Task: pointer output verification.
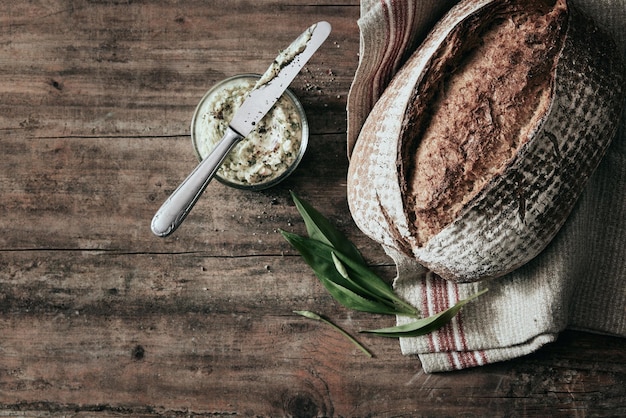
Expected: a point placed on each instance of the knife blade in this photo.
(259, 101)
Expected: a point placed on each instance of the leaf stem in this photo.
(313, 315)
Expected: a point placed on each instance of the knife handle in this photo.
(179, 204)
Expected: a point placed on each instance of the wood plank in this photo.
(100, 318)
(170, 363)
(137, 69)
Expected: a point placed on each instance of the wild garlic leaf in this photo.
(425, 325)
(318, 256)
(374, 284)
(342, 270)
(313, 315)
(319, 228)
(339, 266)
(347, 292)
(352, 300)
(359, 285)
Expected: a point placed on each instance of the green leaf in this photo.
(374, 284)
(347, 292)
(313, 315)
(339, 266)
(319, 257)
(320, 229)
(309, 314)
(425, 325)
(343, 272)
(353, 300)
(350, 291)
(362, 280)
(360, 286)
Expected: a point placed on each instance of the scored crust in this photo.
(489, 89)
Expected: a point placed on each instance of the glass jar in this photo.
(269, 154)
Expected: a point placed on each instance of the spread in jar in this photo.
(269, 153)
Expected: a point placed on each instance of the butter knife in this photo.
(260, 100)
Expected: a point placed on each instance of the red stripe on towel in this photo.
(383, 73)
(399, 34)
(397, 27)
(425, 309)
(473, 357)
(444, 335)
(467, 358)
(439, 292)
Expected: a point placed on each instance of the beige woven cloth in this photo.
(578, 282)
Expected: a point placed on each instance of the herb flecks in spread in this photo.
(286, 56)
(267, 152)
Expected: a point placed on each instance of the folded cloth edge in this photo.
(458, 360)
(518, 314)
(404, 26)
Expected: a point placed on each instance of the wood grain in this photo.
(100, 318)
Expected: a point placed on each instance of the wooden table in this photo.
(98, 317)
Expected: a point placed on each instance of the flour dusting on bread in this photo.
(475, 154)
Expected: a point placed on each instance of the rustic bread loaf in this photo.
(477, 151)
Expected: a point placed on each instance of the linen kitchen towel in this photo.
(577, 282)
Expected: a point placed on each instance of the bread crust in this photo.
(508, 217)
